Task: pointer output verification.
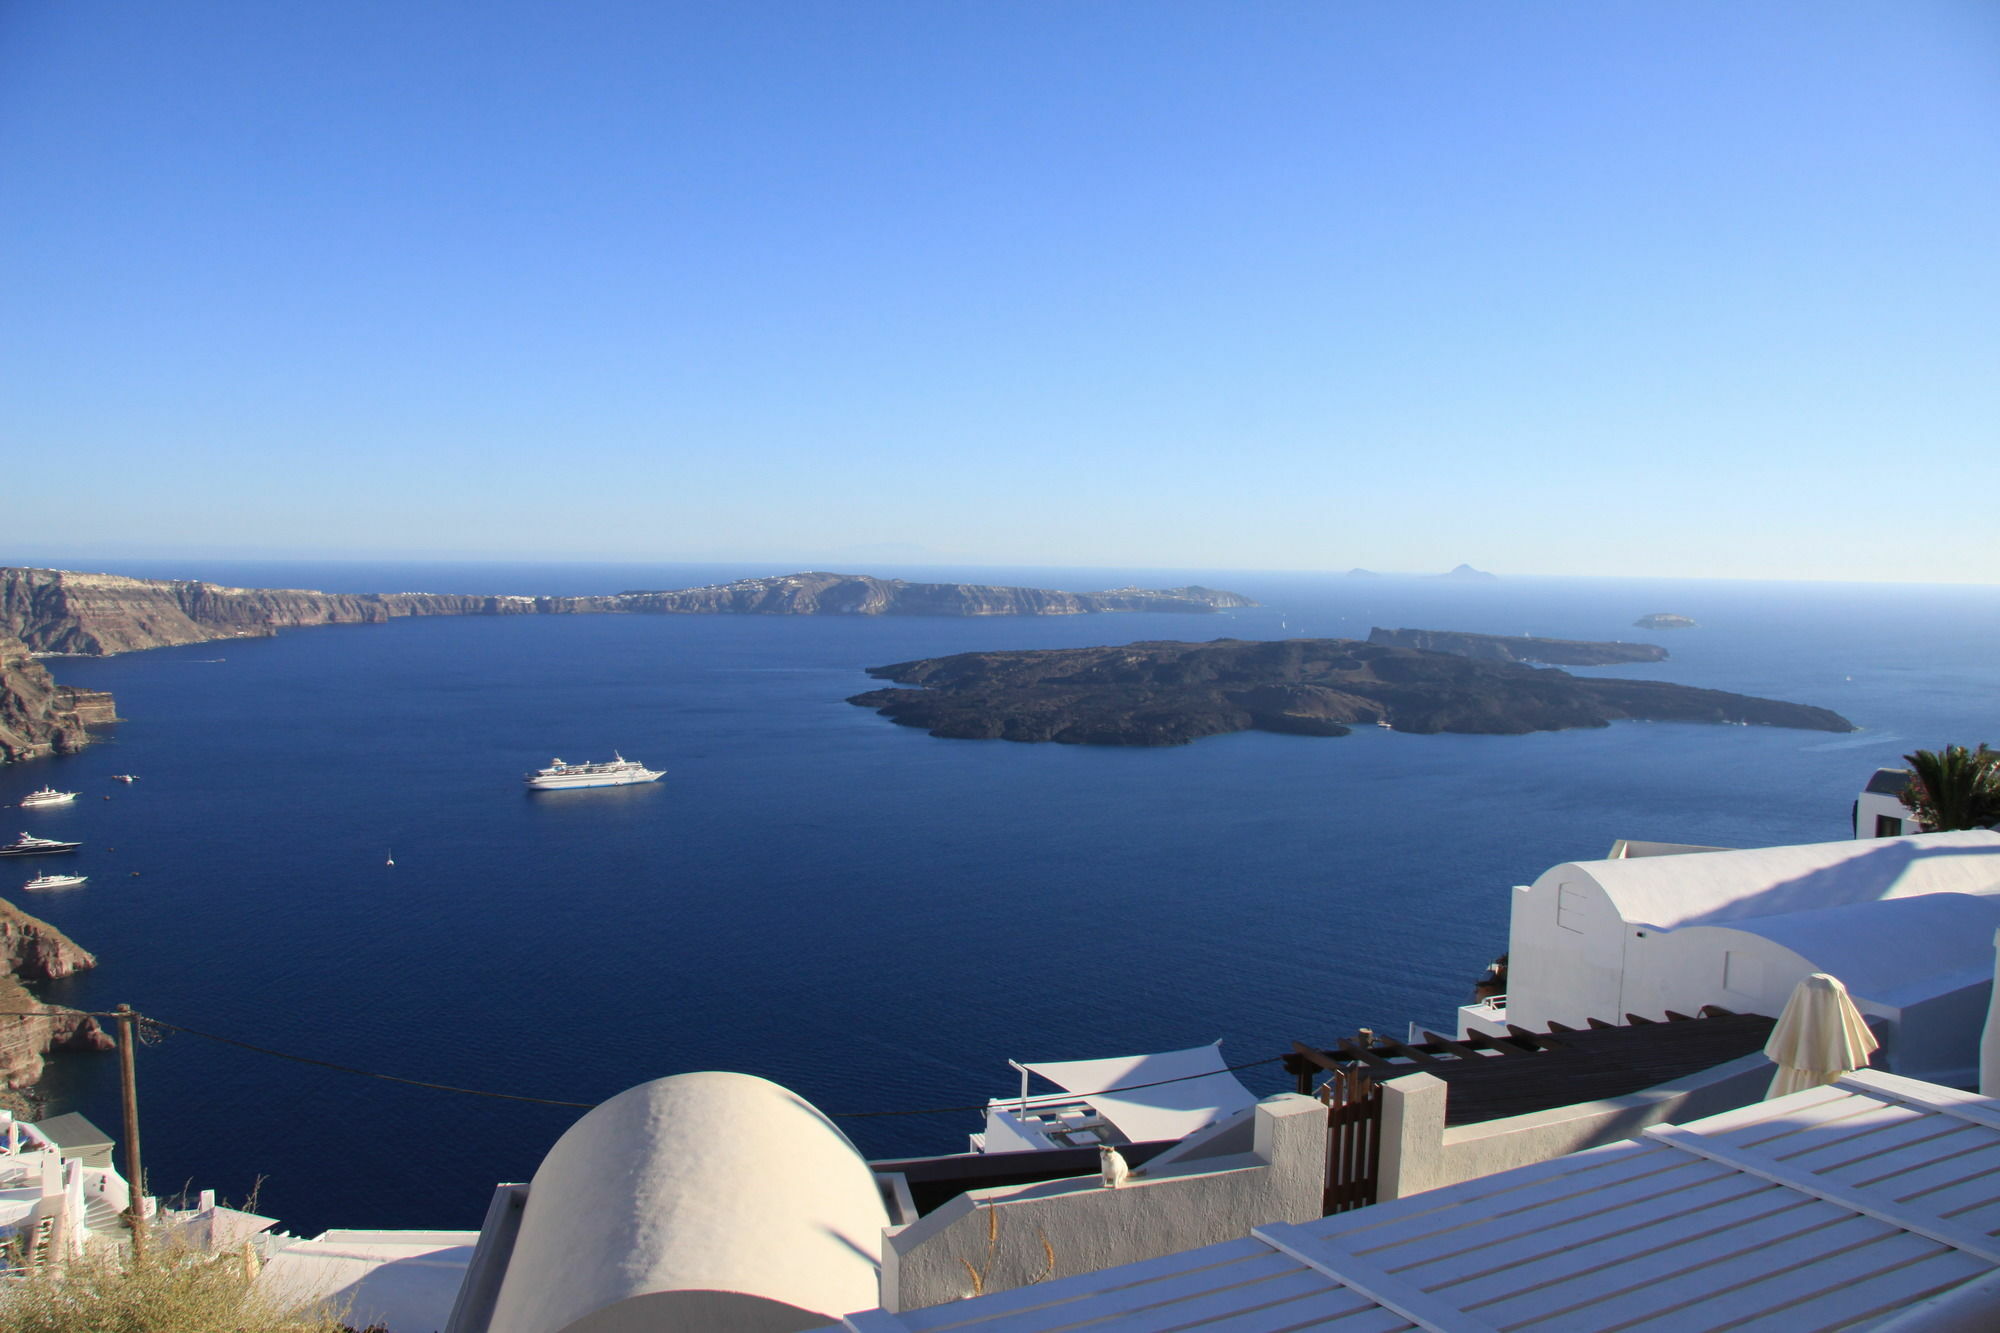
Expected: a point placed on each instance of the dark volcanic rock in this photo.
(1172, 693)
(1519, 647)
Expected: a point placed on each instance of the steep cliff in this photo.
(1172, 693)
(1519, 647)
(33, 950)
(38, 716)
(56, 611)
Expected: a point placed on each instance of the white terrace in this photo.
(1871, 1204)
(1119, 1100)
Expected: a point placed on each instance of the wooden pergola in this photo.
(1523, 1072)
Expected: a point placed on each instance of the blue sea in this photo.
(866, 914)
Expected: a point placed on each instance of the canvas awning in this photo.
(1194, 1091)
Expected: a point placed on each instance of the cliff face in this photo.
(1519, 648)
(38, 716)
(33, 950)
(55, 611)
(820, 594)
(1172, 693)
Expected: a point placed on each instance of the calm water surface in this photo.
(871, 916)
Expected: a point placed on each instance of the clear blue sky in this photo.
(1638, 288)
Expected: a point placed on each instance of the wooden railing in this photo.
(1353, 1127)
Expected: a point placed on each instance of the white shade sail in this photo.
(1819, 1037)
(1202, 1090)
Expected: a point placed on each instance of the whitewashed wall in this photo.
(1013, 1236)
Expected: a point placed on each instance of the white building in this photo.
(1119, 1100)
(1907, 923)
(1878, 810)
(1864, 1205)
(708, 1201)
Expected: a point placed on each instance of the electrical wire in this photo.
(582, 1106)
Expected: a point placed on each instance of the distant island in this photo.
(1460, 572)
(1519, 647)
(1664, 621)
(57, 611)
(1173, 693)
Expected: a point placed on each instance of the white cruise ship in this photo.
(617, 772)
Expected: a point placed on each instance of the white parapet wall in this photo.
(1419, 1153)
(1266, 1165)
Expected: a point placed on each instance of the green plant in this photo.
(176, 1290)
(1953, 788)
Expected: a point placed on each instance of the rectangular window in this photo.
(1888, 826)
(1570, 908)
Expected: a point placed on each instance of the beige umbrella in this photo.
(1819, 1037)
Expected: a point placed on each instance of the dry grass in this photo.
(176, 1291)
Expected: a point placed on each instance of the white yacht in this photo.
(618, 771)
(30, 845)
(47, 796)
(56, 882)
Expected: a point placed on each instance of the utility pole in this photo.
(128, 1086)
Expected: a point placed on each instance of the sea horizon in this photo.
(873, 917)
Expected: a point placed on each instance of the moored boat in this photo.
(616, 772)
(56, 882)
(29, 845)
(47, 796)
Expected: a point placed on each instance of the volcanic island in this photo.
(1165, 693)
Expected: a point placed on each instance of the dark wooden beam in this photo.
(1314, 1056)
(1374, 1061)
(1457, 1048)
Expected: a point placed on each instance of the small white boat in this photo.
(1385, 724)
(56, 882)
(124, 777)
(47, 796)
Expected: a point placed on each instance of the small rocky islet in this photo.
(1520, 647)
(1163, 693)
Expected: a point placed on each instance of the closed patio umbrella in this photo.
(1819, 1037)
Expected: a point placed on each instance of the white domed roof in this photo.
(704, 1201)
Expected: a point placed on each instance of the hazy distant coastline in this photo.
(63, 612)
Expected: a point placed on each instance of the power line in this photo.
(585, 1106)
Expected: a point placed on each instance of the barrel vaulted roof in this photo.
(1721, 888)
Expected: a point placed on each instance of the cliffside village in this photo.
(1705, 1088)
